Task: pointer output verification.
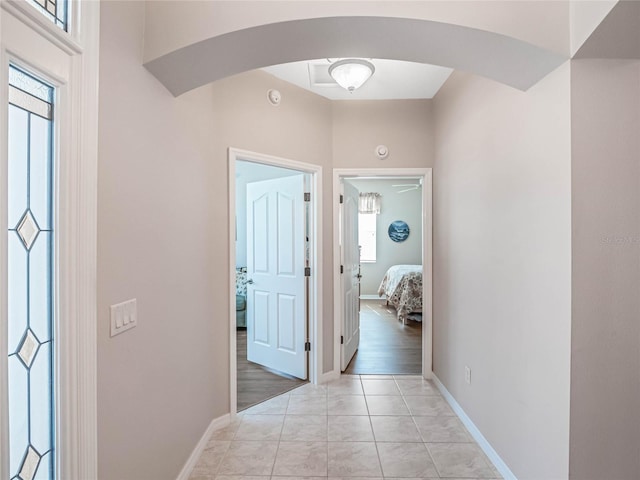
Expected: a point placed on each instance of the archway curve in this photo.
(498, 57)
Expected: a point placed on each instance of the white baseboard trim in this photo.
(216, 424)
(475, 433)
(373, 297)
(329, 376)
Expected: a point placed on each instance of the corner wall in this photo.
(502, 264)
(605, 340)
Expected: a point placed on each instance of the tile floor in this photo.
(360, 427)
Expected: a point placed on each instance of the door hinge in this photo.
(341, 268)
(341, 340)
(307, 196)
(307, 346)
(341, 199)
(307, 271)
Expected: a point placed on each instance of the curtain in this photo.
(369, 203)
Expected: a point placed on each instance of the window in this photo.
(367, 237)
(54, 10)
(30, 275)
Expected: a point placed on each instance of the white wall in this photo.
(160, 384)
(543, 23)
(502, 264)
(395, 206)
(247, 172)
(605, 340)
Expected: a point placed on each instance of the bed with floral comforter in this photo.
(402, 285)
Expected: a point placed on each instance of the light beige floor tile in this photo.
(274, 406)
(442, 429)
(210, 458)
(345, 386)
(417, 386)
(310, 389)
(380, 387)
(249, 458)
(195, 476)
(241, 477)
(460, 460)
(228, 432)
(406, 460)
(386, 405)
(304, 428)
(376, 377)
(260, 427)
(307, 405)
(293, 477)
(395, 429)
(353, 459)
(357, 478)
(428, 406)
(350, 429)
(305, 459)
(347, 405)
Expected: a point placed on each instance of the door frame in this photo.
(339, 174)
(315, 286)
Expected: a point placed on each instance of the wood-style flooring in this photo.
(256, 383)
(386, 345)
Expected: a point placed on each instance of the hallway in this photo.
(358, 426)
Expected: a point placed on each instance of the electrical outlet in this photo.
(467, 374)
(124, 316)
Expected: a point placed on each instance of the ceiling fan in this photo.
(408, 187)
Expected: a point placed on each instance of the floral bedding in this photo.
(241, 280)
(402, 285)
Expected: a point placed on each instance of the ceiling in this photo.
(392, 79)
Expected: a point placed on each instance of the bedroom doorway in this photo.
(382, 248)
(272, 250)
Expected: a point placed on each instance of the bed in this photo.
(402, 285)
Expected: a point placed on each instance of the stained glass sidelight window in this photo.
(54, 10)
(30, 272)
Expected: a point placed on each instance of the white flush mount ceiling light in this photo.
(351, 73)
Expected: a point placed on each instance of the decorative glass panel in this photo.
(54, 10)
(30, 271)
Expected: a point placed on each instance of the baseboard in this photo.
(329, 376)
(475, 433)
(216, 424)
(373, 297)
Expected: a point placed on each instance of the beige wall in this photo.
(605, 341)
(404, 126)
(157, 385)
(502, 260)
(298, 129)
(405, 206)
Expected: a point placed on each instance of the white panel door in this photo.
(350, 280)
(276, 322)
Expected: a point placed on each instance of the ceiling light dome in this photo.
(351, 73)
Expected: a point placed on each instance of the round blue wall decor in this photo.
(398, 231)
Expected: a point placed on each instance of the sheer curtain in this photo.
(369, 202)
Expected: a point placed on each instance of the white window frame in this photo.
(375, 237)
(70, 63)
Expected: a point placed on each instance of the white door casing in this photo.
(350, 253)
(276, 323)
(339, 174)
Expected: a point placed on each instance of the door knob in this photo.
(250, 281)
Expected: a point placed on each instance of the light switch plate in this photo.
(124, 316)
